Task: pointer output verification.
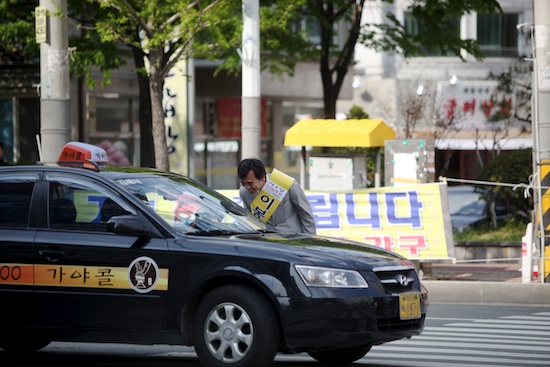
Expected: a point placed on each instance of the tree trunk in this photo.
(156, 85)
(329, 98)
(333, 76)
(147, 152)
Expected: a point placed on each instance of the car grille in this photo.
(384, 324)
(396, 324)
(398, 281)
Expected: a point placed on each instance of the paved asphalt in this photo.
(498, 283)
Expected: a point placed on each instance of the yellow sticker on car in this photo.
(143, 275)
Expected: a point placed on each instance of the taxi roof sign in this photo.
(78, 154)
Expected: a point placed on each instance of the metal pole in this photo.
(536, 166)
(191, 118)
(541, 10)
(250, 56)
(54, 82)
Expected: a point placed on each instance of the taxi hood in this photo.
(322, 251)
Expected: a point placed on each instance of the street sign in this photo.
(40, 24)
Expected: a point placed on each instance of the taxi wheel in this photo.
(340, 357)
(235, 326)
(22, 345)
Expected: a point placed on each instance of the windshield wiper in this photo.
(219, 232)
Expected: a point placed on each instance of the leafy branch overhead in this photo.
(436, 21)
(17, 37)
(108, 33)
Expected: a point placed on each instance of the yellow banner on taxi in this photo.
(82, 276)
(413, 221)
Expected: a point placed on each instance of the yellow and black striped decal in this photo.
(545, 197)
(143, 276)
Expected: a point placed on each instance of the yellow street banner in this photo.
(413, 221)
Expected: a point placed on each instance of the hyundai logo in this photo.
(403, 280)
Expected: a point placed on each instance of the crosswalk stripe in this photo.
(385, 362)
(521, 317)
(521, 340)
(497, 326)
(521, 322)
(480, 334)
(538, 333)
(439, 349)
(439, 356)
(470, 346)
(510, 341)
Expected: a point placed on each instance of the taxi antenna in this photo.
(39, 147)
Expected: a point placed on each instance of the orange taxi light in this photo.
(78, 154)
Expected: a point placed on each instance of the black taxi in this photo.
(133, 255)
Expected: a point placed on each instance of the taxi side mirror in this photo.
(128, 225)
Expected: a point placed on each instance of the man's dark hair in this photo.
(251, 164)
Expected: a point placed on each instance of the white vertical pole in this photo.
(541, 11)
(250, 56)
(54, 82)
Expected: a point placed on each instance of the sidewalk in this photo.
(485, 272)
(489, 283)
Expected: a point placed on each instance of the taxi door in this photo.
(16, 246)
(88, 277)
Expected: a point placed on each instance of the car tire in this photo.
(235, 326)
(340, 357)
(23, 345)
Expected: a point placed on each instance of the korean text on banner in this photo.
(413, 221)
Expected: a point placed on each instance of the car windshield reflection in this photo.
(191, 208)
(466, 203)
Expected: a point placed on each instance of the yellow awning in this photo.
(339, 133)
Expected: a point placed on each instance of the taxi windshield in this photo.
(189, 206)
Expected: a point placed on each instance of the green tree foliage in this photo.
(165, 32)
(109, 33)
(91, 51)
(281, 44)
(514, 167)
(357, 112)
(17, 32)
(437, 18)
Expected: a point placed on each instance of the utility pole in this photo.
(250, 57)
(54, 81)
(541, 121)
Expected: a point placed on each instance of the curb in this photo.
(488, 292)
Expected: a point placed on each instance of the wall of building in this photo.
(387, 86)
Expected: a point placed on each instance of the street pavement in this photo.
(485, 272)
(498, 283)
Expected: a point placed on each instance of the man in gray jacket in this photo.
(282, 203)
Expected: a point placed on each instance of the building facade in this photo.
(413, 96)
(455, 102)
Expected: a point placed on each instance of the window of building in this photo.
(217, 140)
(311, 29)
(19, 126)
(114, 126)
(310, 25)
(414, 28)
(497, 34)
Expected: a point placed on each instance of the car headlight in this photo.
(315, 276)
